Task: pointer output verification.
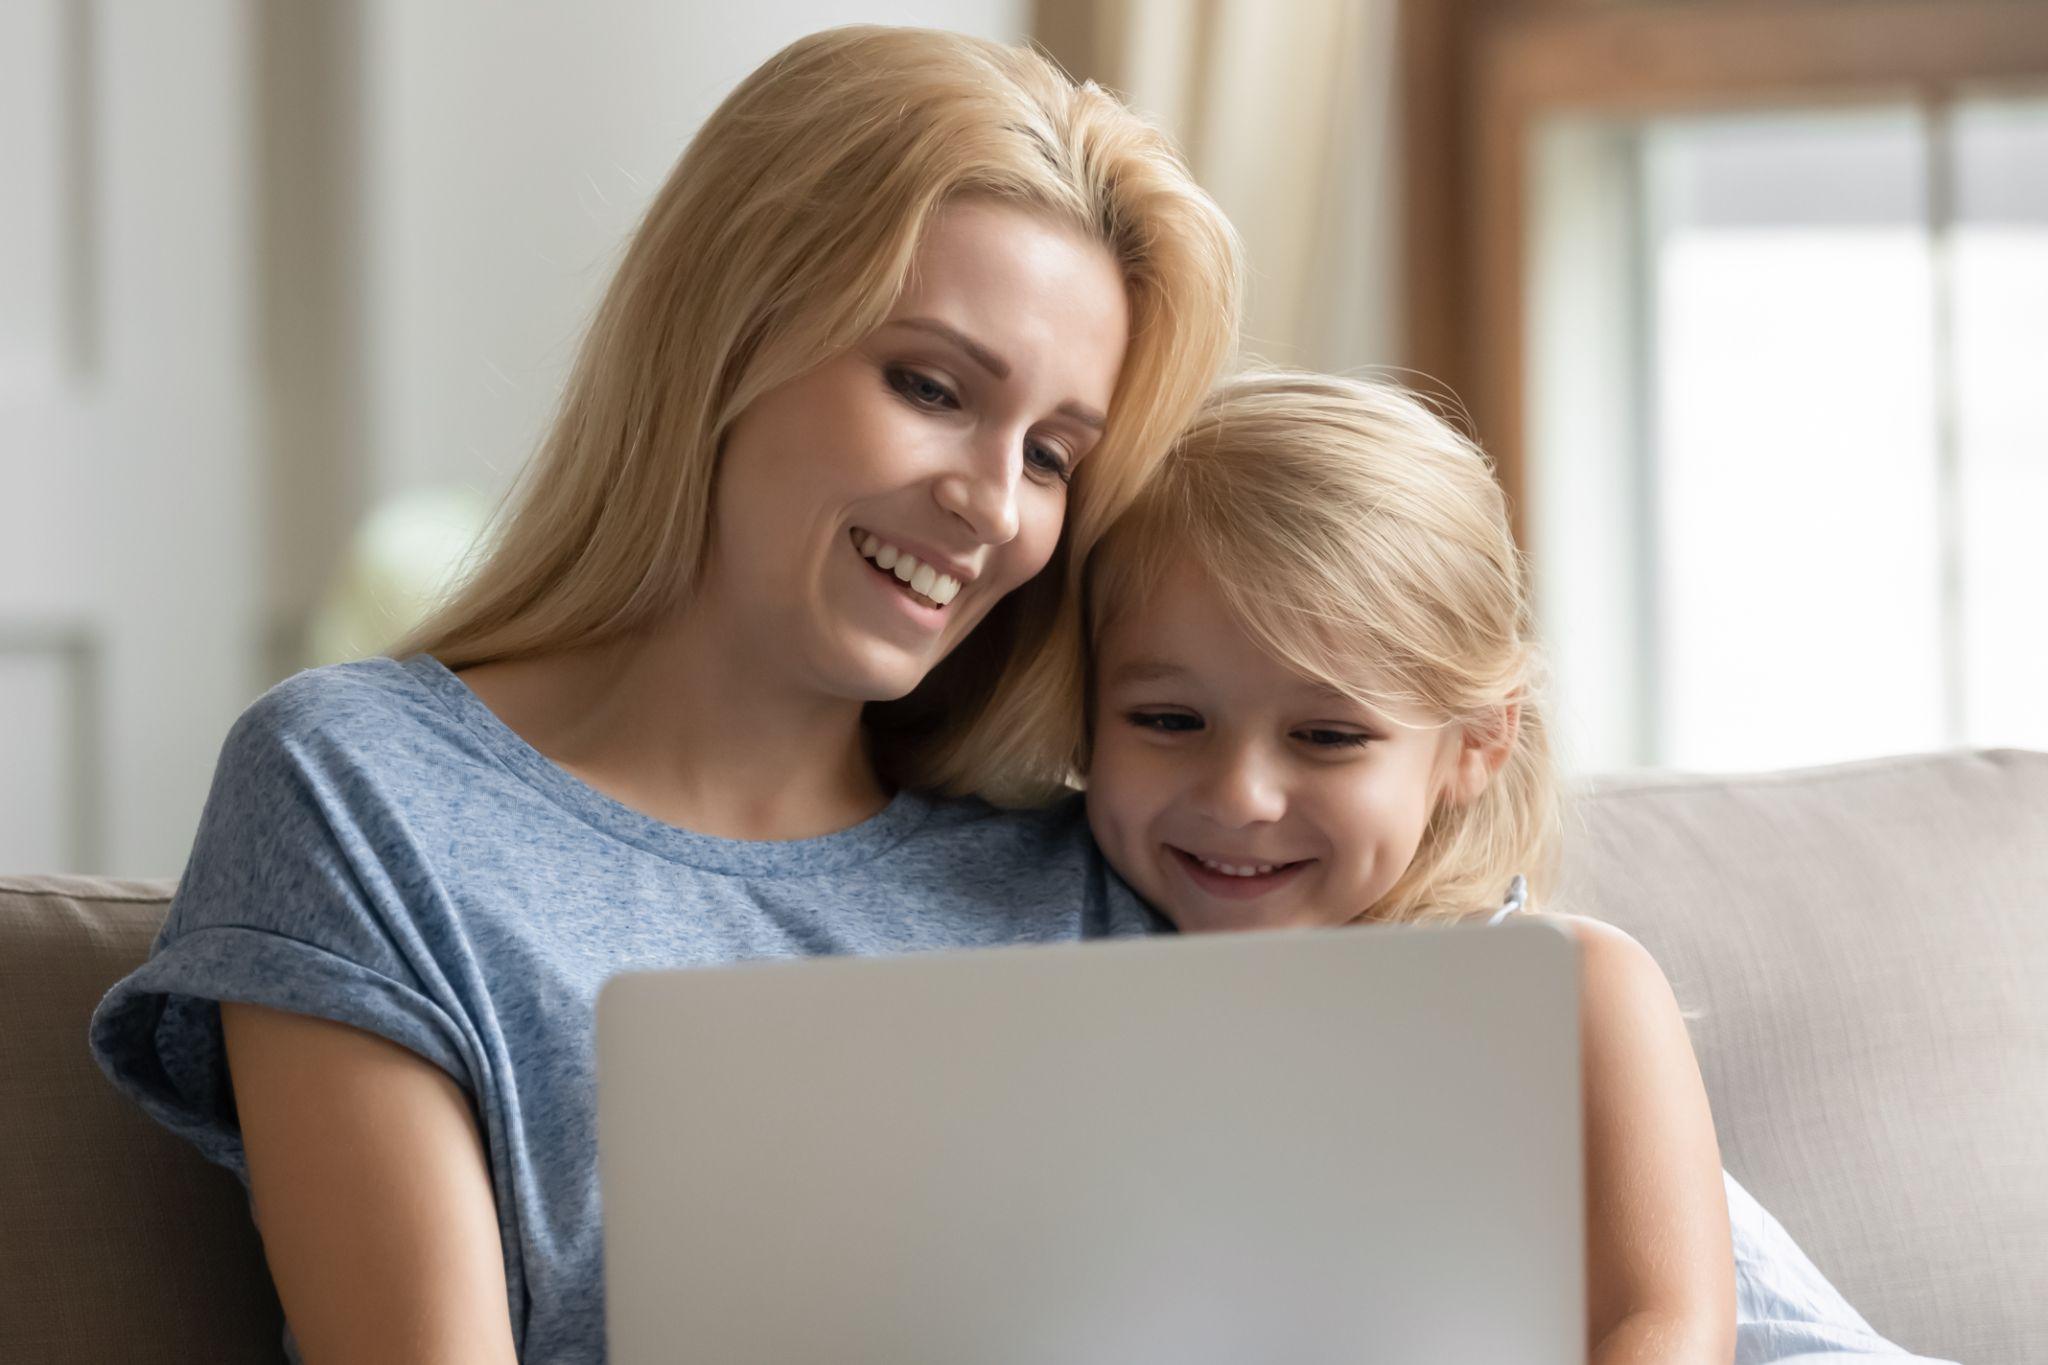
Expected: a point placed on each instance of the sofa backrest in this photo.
(117, 1240)
(1864, 952)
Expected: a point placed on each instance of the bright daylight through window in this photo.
(1802, 357)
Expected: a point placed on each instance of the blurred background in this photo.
(1749, 301)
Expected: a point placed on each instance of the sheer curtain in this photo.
(1286, 113)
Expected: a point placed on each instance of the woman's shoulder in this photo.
(1057, 808)
(364, 693)
(347, 743)
(362, 708)
(1039, 844)
(1041, 855)
(1031, 831)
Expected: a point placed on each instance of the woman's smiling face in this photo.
(947, 437)
(1232, 792)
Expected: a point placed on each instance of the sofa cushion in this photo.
(121, 1242)
(1863, 951)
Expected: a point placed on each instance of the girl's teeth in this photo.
(885, 557)
(946, 589)
(870, 545)
(1232, 870)
(922, 580)
(904, 568)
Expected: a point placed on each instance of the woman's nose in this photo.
(1241, 786)
(982, 492)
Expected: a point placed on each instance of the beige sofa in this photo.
(1864, 950)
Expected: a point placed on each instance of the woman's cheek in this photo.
(1042, 530)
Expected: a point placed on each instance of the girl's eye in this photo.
(1165, 722)
(921, 389)
(1335, 739)
(1048, 461)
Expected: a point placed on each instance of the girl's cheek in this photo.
(1114, 788)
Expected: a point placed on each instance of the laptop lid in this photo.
(1358, 1144)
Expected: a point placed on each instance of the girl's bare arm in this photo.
(1660, 1270)
(372, 1194)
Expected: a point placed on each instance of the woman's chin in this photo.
(880, 674)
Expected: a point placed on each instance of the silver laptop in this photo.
(1350, 1145)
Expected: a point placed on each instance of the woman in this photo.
(908, 325)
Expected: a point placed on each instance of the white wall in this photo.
(129, 467)
(510, 150)
(446, 188)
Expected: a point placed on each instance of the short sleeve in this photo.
(304, 893)
(1785, 1309)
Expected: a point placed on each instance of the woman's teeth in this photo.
(922, 579)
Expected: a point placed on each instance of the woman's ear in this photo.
(1482, 750)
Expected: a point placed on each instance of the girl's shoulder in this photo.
(1617, 973)
(1583, 928)
(1637, 1054)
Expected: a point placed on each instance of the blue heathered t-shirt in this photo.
(380, 849)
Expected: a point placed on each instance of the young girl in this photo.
(1312, 703)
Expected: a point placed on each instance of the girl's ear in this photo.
(1482, 750)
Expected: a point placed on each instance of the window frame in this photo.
(1480, 76)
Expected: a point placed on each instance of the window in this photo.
(1750, 303)
(1785, 378)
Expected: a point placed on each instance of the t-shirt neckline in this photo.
(741, 857)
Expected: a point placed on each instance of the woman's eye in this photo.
(1335, 739)
(1165, 722)
(1049, 461)
(921, 389)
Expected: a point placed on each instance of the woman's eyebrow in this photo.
(1086, 416)
(993, 363)
(976, 352)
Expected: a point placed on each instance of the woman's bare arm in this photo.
(1660, 1270)
(372, 1194)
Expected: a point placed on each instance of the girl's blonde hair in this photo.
(1363, 541)
(784, 236)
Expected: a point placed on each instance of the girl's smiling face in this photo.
(1232, 792)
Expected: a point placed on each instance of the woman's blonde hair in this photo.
(783, 237)
(1363, 541)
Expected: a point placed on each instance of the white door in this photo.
(129, 480)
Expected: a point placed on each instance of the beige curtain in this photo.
(1286, 111)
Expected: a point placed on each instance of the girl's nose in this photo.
(1242, 786)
